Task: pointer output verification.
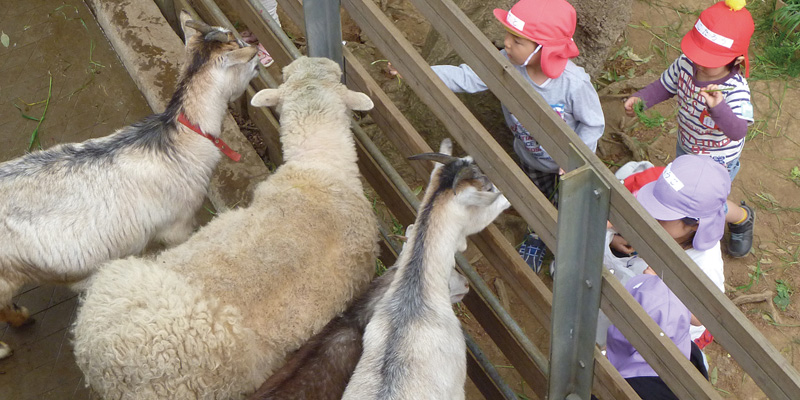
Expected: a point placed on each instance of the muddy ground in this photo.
(769, 179)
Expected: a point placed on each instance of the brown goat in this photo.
(322, 367)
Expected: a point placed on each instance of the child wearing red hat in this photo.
(713, 98)
(539, 44)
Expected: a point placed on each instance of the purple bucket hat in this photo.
(692, 186)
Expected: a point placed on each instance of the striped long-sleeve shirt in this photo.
(719, 131)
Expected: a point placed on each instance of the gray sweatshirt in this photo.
(571, 95)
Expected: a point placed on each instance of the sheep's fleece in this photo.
(215, 316)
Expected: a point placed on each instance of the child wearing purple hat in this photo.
(674, 320)
(689, 201)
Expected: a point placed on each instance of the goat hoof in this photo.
(5, 351)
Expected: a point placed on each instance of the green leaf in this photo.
(782, 302)
(795, 174)
(4, 39)
(713, 376)
(784, 291)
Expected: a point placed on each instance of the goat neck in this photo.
(216, 71)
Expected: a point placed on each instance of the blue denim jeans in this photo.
(733, 166)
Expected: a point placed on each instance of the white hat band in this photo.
(672, 179)
(710, 35)
(515, 22)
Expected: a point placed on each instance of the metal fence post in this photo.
(324, 29)
(582, 216)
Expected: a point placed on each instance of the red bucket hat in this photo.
(550, 23)
(721, 34)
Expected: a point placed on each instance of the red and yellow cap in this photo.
(721, 34)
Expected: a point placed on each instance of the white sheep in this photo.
(321, 368)
(213, 317)
(67, 209)
(414, 346)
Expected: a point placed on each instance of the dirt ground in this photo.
(58, 66)
(766, 181)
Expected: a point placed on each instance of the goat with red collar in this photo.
(68, 209)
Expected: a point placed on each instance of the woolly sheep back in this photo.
(223, 309)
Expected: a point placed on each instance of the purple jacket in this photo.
(668, 312)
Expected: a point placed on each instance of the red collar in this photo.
(217, 141)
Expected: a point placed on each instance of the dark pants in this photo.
(653, 388)
(547, 182)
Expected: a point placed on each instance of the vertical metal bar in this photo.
(324, 29)
(488, 368)
(582, 216)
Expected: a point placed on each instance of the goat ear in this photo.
(239, 56)
(188, 31)
(446, 147)
(358, 101)
(266, 98)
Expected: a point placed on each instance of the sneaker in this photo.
(532, 251)
(742, 234)
(263, 56)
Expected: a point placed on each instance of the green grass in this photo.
(755, 277)
(34, 140)
(776, 41)
(767, 202)
(775, 45)
(653, 120)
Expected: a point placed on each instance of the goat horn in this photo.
(200, 26)
(218, 36)
(438, 157)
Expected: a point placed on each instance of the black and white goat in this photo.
(414, 346)
(67, 209)
(321, 368)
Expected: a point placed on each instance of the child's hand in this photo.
(621, 245)
(392, 70)
(629, 103)
(714, 97)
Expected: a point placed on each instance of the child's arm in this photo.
(662, 89)
(651, 95)
(588, 114)
(460, 78)
(727, 121)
